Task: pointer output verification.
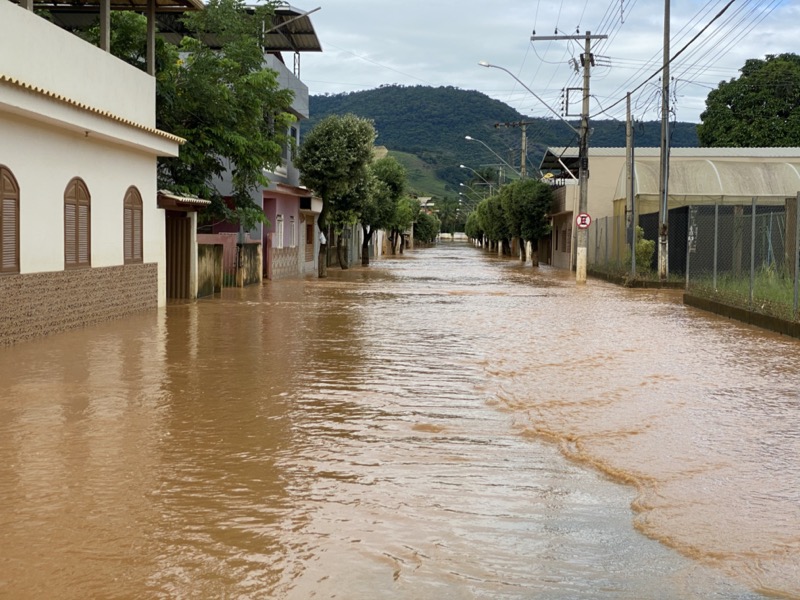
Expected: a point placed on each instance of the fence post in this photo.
(716, 241)
(607, 228)
(752, 249)
(796, 252)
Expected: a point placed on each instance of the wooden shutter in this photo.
(128, 234)
(83, 235)
(132, 227)
(8, 251)
(70, 230)
(137, 234)
(77, 225)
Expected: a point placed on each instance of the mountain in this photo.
(431, 123)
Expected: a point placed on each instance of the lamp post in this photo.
(471, 189)
(469, 138)
(481, 177)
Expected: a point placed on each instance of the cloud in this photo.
(439, 43)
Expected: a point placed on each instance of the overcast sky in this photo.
(369, 43)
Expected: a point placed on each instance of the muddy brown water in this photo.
(444, 424)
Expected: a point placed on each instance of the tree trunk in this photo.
(402, 242)
(322, 270)
(393, 242)
(341, 253)
(365, 246)
(535, 254)
(523, 254)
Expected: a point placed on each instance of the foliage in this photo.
(426, 228)
(494, 220)
(473, 227)
(526, 204)
(333, 162)
(387, 180)
(759, 109)
(230, 109)
(645, 250)
(449, 214)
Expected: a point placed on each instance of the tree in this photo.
(759, 109)
(388, 182)
(495, 221)
(219, 97)
(404, 216)
(526, 203)
(426, 228)
(473, 227)
(333, 162)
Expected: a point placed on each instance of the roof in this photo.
(569, 155)
(93, 6)
(292, 31)
(707, 181)
(167, 199)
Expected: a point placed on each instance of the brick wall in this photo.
(38, 304)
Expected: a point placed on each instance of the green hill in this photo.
(431, 123)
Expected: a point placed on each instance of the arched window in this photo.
(77, 225)
(132, 227)
(9, 222)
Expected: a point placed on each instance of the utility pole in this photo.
(583, 149)
(629, 164)
(523, 158)
(663, 172)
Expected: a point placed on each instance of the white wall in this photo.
(44, 160)
(37, 52)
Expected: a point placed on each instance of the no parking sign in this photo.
(583, 220)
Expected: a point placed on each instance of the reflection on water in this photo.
(401, 432)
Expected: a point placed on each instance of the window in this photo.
(9, 222)
(309, 234)
(132, 226)
(77, 225)
(279, 231)
(292, 232)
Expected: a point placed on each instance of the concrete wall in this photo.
(209, 269)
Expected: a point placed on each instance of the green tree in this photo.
(495, 222)
(426, 228)
(333, 161)
(473, 227)
(526, 203)
(759, 109)
(403, 219)
(388, 182)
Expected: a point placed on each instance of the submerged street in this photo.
(443, 424)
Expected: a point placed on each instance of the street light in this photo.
(483, 63)
(469, 138)
(471, 190)
(480, 176)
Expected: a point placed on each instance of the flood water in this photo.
(445, 424)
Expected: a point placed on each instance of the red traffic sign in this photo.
(583, 220)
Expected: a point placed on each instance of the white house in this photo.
(81, 236)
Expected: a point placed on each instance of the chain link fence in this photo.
(744, 256)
